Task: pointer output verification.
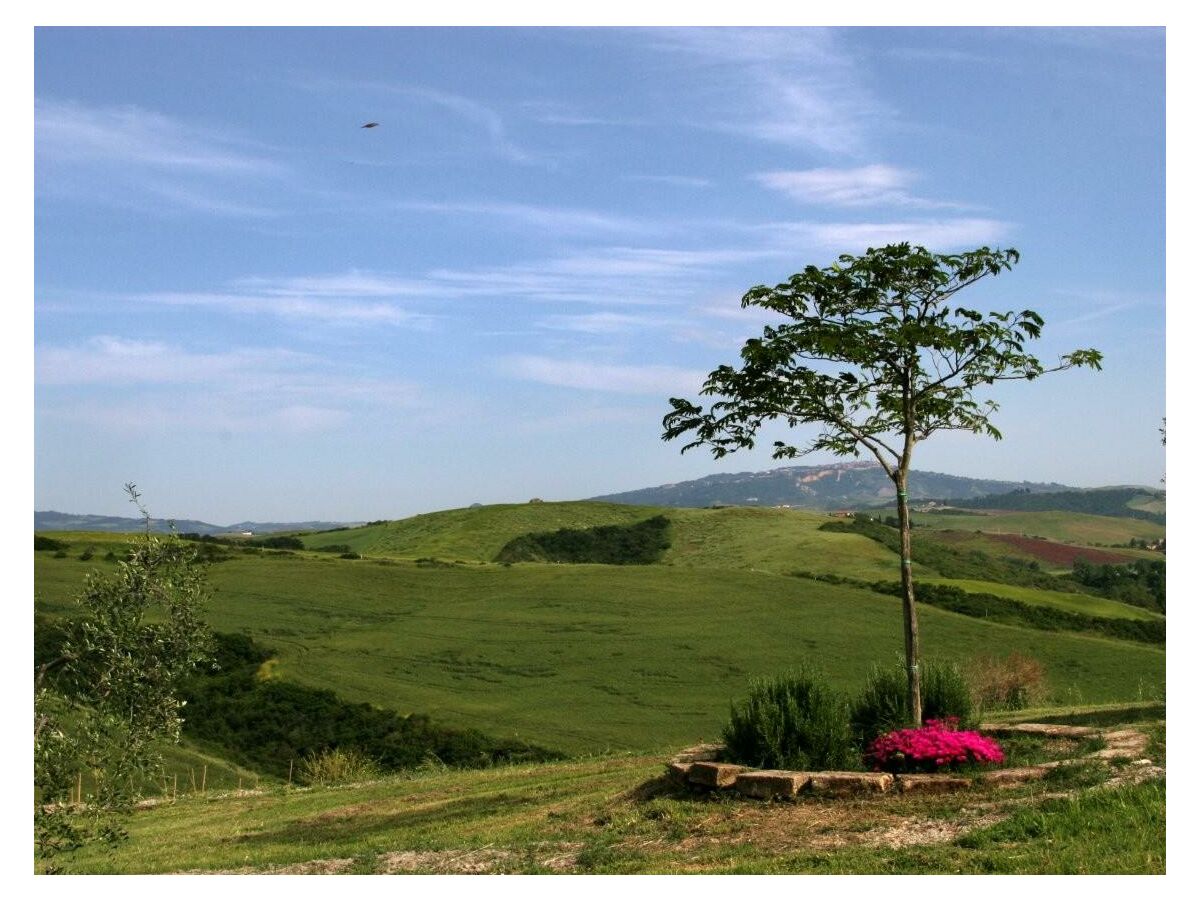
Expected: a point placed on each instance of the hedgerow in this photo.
(638, 544)
(267, 724)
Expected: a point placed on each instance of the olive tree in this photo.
(878, 355)
(107, 696)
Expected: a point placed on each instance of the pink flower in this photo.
(937, 744)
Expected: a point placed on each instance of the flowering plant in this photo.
(936, 745)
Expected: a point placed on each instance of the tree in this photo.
(896, 362)
(106, 695)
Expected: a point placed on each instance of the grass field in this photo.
(1083, 604)
(616, 815)
(1068, 527)
(587, 658)
(1043, 552)
(771, 540)
(617, 666)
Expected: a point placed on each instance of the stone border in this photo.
(701, 767)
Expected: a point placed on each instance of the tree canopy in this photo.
(110, 695)
(905, 361)
(874, 350)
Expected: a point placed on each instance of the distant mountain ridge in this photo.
(832, 486)
(48, 520)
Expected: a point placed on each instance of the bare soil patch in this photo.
(1056, 553)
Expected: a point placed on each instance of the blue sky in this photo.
(254, 308)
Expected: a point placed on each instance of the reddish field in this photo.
(1058, 554)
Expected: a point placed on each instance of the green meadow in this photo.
(1083, 604)
(773, 540)
(615, 666)
(588, 658)
(1067, 527)
(616, 815)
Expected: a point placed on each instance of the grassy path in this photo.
(616, 815)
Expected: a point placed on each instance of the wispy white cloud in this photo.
(349, 298)
(549, 112)
(874, 185)
(687, 181)
(602, 323)
(107, 359)
(482, 117)
(607, 276)
(198, 413)
(478, 117)
(1147, 42)
(927, 55)
(132, 135)
(131, 156)
(939, 235)
(546, 218)
(796, 86)
(605, 377)
(1100, 303)
(326, 309)
(353, 283)
(140, 384)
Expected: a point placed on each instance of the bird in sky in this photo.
(371, 125)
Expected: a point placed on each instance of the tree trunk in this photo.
(912, 644)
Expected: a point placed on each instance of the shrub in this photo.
(793, 721)
(883, 705)
(41, 542)
(640, 543)
(935, 746)
(337, 766)
(280, 542)
(946, 695)
(266, 723)
(1016, 682)
(87, 554)
(1016, 612)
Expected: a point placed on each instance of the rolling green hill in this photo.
(772, 540)
(1131, 502)
(1057, 525)
(582, 658)
(1083, 604)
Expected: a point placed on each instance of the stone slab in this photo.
(846, 784)
(769, 784)
(1116, 753)
(931, 784)
(714, 774)
(1062, 731)
(1022, 775)
(678, 772)
(700, 753)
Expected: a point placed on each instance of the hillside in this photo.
(1067, 527)
(615, 814)
(584, 657)
(1132, 502)
(772, 540)
(833, 486)
(49, 520)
